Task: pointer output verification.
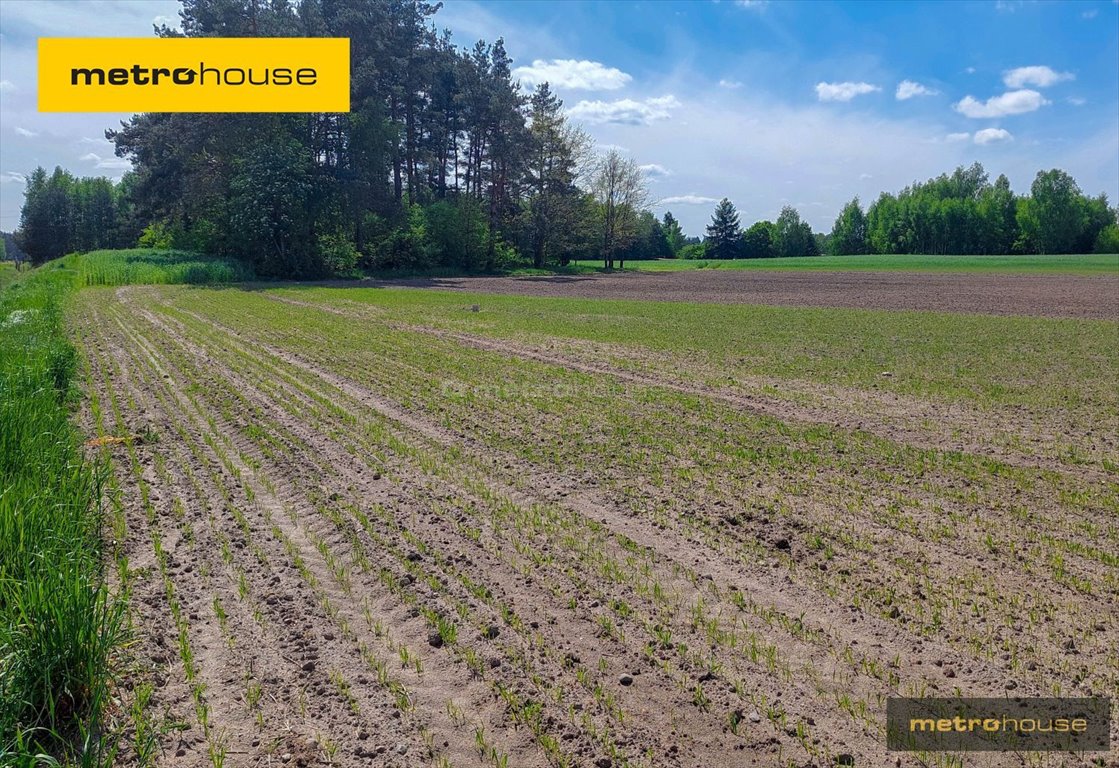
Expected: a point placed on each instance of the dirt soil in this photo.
(1041, 295)
(295, 531)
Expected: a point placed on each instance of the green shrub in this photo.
(156, 235)
(338, 254)
(150, 266)
(1108, 240)
(693, 251)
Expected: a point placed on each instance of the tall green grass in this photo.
(59, 623)
(148, 266)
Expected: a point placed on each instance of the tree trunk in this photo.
(397, 186)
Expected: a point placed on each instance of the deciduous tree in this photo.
(619, 186)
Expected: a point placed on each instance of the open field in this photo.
(1094, 296)
(371, 526)
(1068, 264)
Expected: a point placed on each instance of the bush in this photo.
(338, 254)
(1108, 240)
(148, 266)
(505, 257)
(405, 247)
(156, 235)
(693, 251)
(457, 234)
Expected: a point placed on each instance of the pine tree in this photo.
(724, 235)
(555, 152)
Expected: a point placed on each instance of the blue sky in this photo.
(767, 103)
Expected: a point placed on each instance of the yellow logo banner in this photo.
(194, 74)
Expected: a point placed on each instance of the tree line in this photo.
(788, 236)
(444, 161)
(961, 213)
(62, 213)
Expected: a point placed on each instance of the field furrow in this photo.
(353, 536)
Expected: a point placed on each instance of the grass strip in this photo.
(59, 622)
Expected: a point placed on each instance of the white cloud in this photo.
(957, 137)
(162, 20)
(7, 86)
(865, 176)
(732, 84)
(1010, 103)
(572, 73)
(108, 163)
(753, 5)
(1076, 101)
(1042, 77)
(625, 111)
(907, 89)
(25, 132)
(821, 151)
(1090, 14)
(688, 200)
(970, 70)
(843, 91)
(12, 177)
(992, 136)
(655, 171)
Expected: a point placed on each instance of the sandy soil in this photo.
(334, 525)
(1042, 295)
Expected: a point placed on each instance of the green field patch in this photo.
(1070, 264)
(1019, 361)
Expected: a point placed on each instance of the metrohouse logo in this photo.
(138, 75)
(194, 74)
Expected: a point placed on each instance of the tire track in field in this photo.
(961, 432)
(185, 560)
(1070, 622)
(299, 642)
(317, 372)
(573, 638)
(522, 760)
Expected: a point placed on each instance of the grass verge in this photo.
(59, 624)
